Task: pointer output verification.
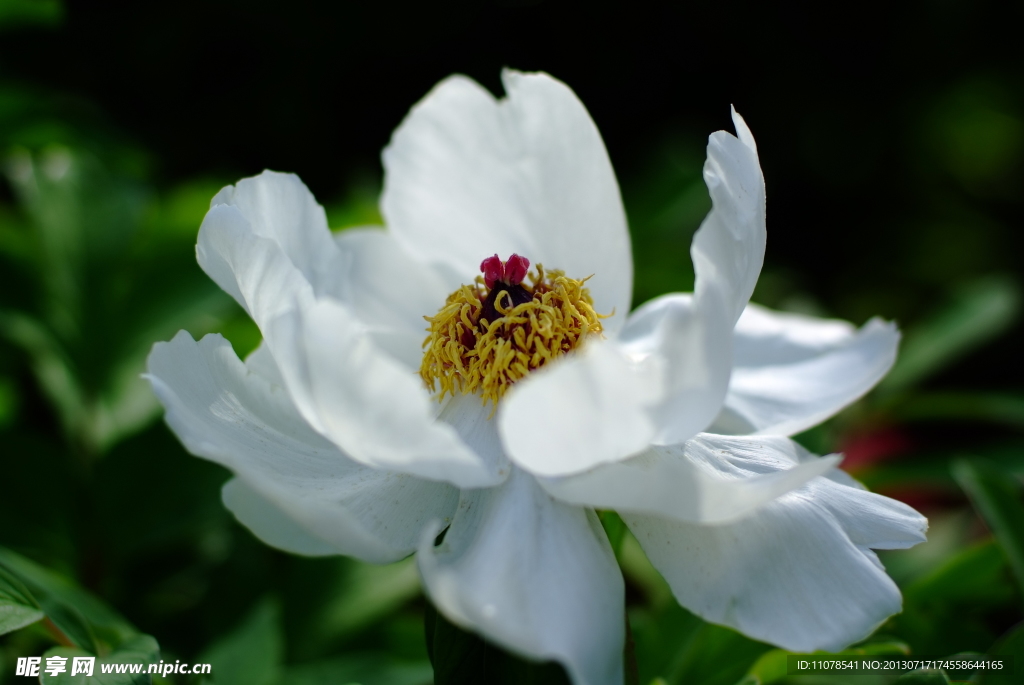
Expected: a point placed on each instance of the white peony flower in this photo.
(556, 399)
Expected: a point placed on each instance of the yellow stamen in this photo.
(464, 352)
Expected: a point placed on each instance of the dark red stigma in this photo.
(511, 272)
(504, 277)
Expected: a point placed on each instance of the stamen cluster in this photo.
(471, 350)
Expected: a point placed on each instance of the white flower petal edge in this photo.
(366, 402)
(269, 523)
(223, 411)
(587, 410)
(467, 176)
(251, 268)
(685, 343)
(249, 249)
(389, 291)
(533, 574)
(793, 372)
(798, 573)
(280, 208)
(728, 251)
(692, 482)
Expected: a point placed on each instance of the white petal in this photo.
(799, 573)
(477, 428)
(793, 372)
(534, 575)
(742, 130)
(366, 402)
(280, 208)
(468, 176)
(692, 481)
(728, 249)
(270, 524)
(585, 410)
(692, 337)
(223, 412)
(261, 362)
(690, 348)
(389, 291)
(252, 269)
(764, 337)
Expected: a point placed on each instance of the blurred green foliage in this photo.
(106, 524)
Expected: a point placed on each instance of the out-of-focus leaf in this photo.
(69, 621)
(666, 204)
(976, 135)
(367, 669)
(772, 666)
(359, 206)
(997, 497)
(1012, 645)
(716, 656)
(50, 365)
(87, 621)
(615, 529)
(142, 650)
(975, 574)
(979, 313)
(372, 592)
(638, 570)
(879, 646)
(18, 608)
(17, 13)
(923, 677)
(8, 402)
(995, 408)
(664, 640)
(252, 653)
(113, 275)
(769, 668)
(463, 658)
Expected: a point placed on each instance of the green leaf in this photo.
(463, 658)
(879, 646)
(252, 653)
(678, 646)
(364, 594)
(142, 650)
(972, 575)
(1004, 409)
(770, 667)
(1011, 644)
(18, 608)
(978, 313)
(15, 13)
(615, 529)
(923, 677)
(97, 253)
(375, 669)
(997, 497)
(8, 402)
(79, 615)
(71, 624)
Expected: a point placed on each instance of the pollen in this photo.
(492, 333)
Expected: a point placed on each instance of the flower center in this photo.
(490, 334)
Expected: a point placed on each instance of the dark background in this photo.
(890, 136)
